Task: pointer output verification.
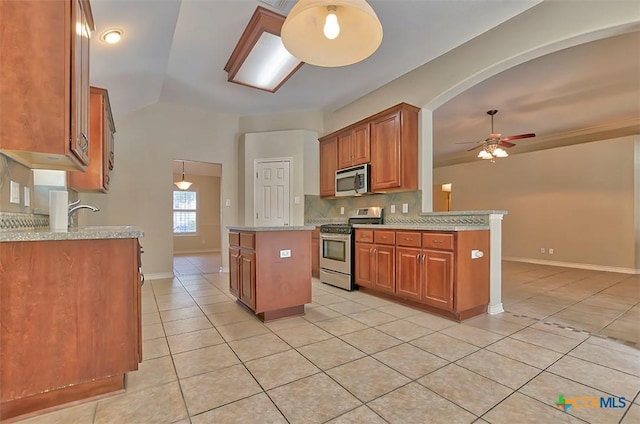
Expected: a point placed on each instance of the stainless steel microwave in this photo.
(353, 181)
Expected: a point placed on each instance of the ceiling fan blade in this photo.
(518, 137)
(475, 148)
(506, 144)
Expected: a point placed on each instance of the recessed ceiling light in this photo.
(111, 36)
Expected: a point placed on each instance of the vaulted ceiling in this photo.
(175, 51)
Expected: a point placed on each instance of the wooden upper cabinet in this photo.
(328, 166)
(44, 82)
(354, 147)
(387, 140)
(97, 176)
(394, 149)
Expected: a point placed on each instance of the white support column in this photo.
(495, 264)
(426, 159)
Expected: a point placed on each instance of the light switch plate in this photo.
(341, 210)
(14, 192)
(393, 208)
(27, 196)
(405, 208)
(296, 200)
(227, 202)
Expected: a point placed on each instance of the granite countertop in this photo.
(281, 228)
(423, 227)
(79, 233)
(464, 213)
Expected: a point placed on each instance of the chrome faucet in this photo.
(75, 206)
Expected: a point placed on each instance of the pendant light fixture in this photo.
(183, 185)
(331, 33)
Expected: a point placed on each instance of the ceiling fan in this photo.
(492, 146)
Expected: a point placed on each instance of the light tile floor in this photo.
(354, 358)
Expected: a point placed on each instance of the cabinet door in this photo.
(248, 278)
(408, 270)
(345, 154)
(384, 258)
(328, 167)
(360, 145)
(364, 264)
(234, 271)
(80, 83)
(438, 279)
(385, 152)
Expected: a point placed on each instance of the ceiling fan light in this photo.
(500, 153)
(484, 155)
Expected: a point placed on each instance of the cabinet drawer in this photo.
(384, 237)
(408, 239)
(247, 240)
(365, 236)
(234, 239)
(437, 241)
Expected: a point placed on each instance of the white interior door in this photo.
(272, 194)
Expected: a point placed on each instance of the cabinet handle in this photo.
(437, 241)
(418, 258)
(407, 239)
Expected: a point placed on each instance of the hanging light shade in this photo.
(331, 33)
(183, 185)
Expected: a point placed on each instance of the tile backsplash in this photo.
(11, 170)
(320, 211)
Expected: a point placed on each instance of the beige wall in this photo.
(145, 145)
(578, 200)
(306, 120)
(207, 237)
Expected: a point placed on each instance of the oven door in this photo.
(335, 252)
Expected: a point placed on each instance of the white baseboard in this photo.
(573, 265)
(495, 309)
(158, 275)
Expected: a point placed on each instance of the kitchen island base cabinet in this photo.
(270, 271)
(434, 271)
(70, 321)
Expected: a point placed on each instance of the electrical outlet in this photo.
(393, 208)
(296, 200)
(543, 250)
(285, 253)
(551, 250)
(27, 196)
(14, 192)
(227, 202)
(405, 208)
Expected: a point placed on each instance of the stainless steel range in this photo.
(337, 247)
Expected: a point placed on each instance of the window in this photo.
(185, 207)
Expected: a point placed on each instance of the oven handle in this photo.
(338, 238)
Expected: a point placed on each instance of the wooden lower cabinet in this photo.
(270, 285)
(432, 270)
(375, 266)
(409, 271)
(70, 321)
(437, 279)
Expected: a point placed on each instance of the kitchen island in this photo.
(443, 262)
(270, 269)
(70, 305)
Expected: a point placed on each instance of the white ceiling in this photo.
(175, 51)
